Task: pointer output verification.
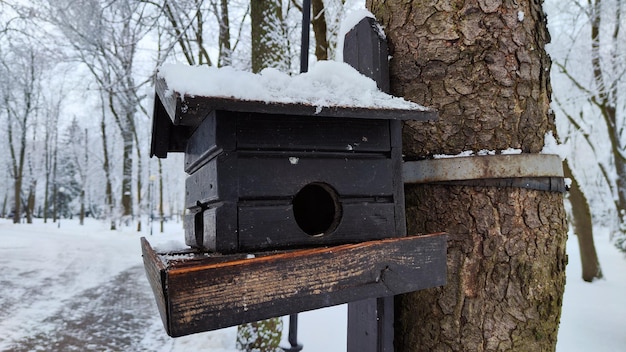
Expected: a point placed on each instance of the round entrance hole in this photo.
(317, 209)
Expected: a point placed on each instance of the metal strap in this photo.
(533, 171)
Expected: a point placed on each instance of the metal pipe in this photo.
(304, 67)
(306, 25)
(293, 335)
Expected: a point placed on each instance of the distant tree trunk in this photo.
(17, 163)
(46, 193)
(318, 21)
(55, 185)
(225, 51)
(583, 228)
(17, 194)
(140, 205)
(482, 64)
(108, 189)
(268, 35)
(161, 215)
(4, 205)
(127, 173)
(30, 202)
(83, 179)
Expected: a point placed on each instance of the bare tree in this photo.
(188, 27)
(591, 71)
(20, 69)
(104, 36)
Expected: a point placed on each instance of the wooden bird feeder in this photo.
(291, 207)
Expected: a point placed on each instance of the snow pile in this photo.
(328, 84)
(467, 153)
(551, 146)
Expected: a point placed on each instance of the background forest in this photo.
(76, 85)
(77, 93)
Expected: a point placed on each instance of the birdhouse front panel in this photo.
(271, 181)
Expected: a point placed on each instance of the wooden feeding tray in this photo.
(200, 291)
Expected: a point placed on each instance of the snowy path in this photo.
(84, 288)
(113, 316)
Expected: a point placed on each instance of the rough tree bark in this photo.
(482, 64)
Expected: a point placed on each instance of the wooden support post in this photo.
(370, 325)
(370, 322)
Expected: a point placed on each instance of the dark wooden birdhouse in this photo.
(291, 206)
(273, 176)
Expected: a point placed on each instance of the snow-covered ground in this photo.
(83, 288)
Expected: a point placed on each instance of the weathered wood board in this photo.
(197, 291)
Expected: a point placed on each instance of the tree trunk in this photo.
(140, 204)
(17, 194)
(225, 52)
(83, 179)
(161, 215)
(483, 66)
(319, 30)
(268, 36)
(108, 190)
(127, 174)
(30, 202)
(55, 185)
(583, 228)
(3, 210)
(46, 193)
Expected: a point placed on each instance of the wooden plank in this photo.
(215, 181)
(208, 296)
(193, 237)
(370, 325)
(166, 137)
(219, 228)
(311, 133)
(246, 175)
(191, 110)
(156, 274)
(365, 49)
(274, 226)
(396, 176)
(267, 175)
(184, 111)
(216, 134)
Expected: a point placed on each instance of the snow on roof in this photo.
(327, 84)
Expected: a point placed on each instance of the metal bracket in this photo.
(515, 170)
